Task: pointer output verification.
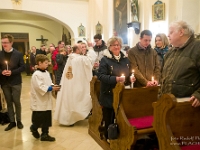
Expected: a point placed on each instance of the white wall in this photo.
(187, 10)
(69, 13)
(49, 29)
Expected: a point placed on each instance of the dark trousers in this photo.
(45, 130)
(42, 119)
(108, 118)
(12, 95)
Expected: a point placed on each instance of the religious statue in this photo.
(134, 10)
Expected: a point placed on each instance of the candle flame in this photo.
(6, 62)
(132, 71)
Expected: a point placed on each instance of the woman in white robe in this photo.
(73, 100)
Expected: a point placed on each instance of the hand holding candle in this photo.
(122, 78)
(153, 81)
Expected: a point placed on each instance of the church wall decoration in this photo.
(17, 2)
(99, 28)
(120, 19)
(81, 31)
(158, 11)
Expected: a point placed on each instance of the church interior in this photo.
(36, 22)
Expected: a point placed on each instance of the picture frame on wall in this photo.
(81, 31)
(99, 28)
(120, 19)
(158, 11)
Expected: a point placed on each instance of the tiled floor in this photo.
(67, 138)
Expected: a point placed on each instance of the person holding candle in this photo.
(11, 66)
(114, 68)
(181, 70)
(144, 60)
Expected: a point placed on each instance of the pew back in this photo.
(177, 124)
(134, 104)
(137, 102)
(96, 118)
(184, 121)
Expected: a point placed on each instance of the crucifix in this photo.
(43, 41)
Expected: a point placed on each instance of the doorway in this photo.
(21, 41)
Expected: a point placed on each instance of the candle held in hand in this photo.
(131, 77)
(122, 78)
(152, 79)
(6, 65)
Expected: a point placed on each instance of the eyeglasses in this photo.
(96, 41)
(5, 42)
(115, 45)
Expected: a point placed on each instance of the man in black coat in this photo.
(41, 50)
(11, 66)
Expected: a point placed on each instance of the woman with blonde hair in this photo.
(68, 49)
(161, 46)
(113, 64)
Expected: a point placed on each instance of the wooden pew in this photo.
(135, 107)
(177, 124)
(96, 118)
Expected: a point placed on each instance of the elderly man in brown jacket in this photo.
(144, 61)
(181, 70)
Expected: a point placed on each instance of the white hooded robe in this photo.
(73, 101)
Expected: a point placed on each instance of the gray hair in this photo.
(188, 31)
(112, 40)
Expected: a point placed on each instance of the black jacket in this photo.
(61, 61)
(100, 48)
(109, 69)
(16, 65)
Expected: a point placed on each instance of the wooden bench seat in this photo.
(134, 118)
(135, 114)
(177, 124)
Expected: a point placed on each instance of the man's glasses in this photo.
(96, 41)
(5, 42)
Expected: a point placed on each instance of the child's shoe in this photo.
(34, 133)
(46, 137)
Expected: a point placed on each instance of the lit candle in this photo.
(122, 78)
(6, 64)
(152, 79)
(132, 83)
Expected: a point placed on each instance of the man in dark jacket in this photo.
(41, 50)
(99, 47)
(181, 70)
(11, 66)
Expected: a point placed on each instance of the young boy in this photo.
(41, 99)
